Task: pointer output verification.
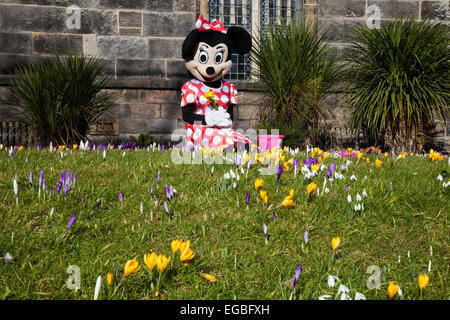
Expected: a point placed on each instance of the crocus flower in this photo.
(8, 257)
(159, 176)
(306, 237)
(168, 191)
(30, 178)
(311, 188)
(15, 188)
(423, 281)
(247, 199)
(258, 183)
(346, 188)
(273, 217)
(390, 185)
(150, 260)
(98, 285)
(162, 263)
(212, 170)
(265, 230)
(166, 207)
(142, 207)
(131, 266)
(44, 185)
(392, 289)
(109, 278)
(335, 242)
(332, 281)
(175, 245)
(296, 277)
(209, 277)
(41, 177)
(71, 222)
(120, 196)
(58, 187)
(186, 255)
(295, 166)
(263, 195)
(279, 172)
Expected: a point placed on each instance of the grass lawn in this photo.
(394, 230)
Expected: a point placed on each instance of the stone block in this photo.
(10, 61)
(177, 69)
(127, 96)
(159, 96)
(122, 47)
(58, 44)
(151, 5)
(249, 97)
(100, 22)
(90, 45)
(159, 24)
(130, 31)
(32, 18)
(130, 19)
(247, 112)
(171, 111)
(165, 48)
(438, 10)
(15, 42)
(396, 8)
(342, 8)
(140, 68)
(145, 111)
(163, 125)
(185, 5)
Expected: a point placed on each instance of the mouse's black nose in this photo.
(210, 70)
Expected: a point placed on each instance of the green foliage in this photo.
(295, 68)
(143, 140)
(399, 75)
(61, 98)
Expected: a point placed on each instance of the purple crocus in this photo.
(332, 167)
(30, 178)
(151, 190)
(295, 165)
(168, 192)
(159, 176)
(120, 196)
(41, 177)
(390, 185)
(306, 237)
(142, 207)
(346, 188)
(297, 276)
(247, 199)
(166, 207)
(265, 230)
(71, 222)
(279, 172)
(58, 187)
(50, 191)
(66, 190)
(273, 217)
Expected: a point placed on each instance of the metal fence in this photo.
(239, 13)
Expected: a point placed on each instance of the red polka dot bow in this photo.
(204, 25)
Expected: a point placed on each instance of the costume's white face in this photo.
(209, 63)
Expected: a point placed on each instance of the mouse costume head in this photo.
(207, 49)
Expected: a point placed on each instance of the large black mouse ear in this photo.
(241, 39)
(187, 51)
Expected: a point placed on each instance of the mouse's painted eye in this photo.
(218, 57)
(203, 56)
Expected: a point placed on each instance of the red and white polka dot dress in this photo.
(198, 135)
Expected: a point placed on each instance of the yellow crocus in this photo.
(184, 245)
(131, 266)
(315, 167)
(150, 260)
(263, 195)
(360, 154)
(423, 281)
(209, 277)
(162, 263)
(335, 243)
(291, 193)
(325, 155)
(258, 183)
(392, 290)
(311, 187)
(378, 163)
(175, 245)
(187, 254)
(109, 278)
(287, 202)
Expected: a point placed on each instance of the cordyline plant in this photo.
(61, 98)
(399, 78)
(296, 69)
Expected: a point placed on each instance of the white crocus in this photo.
(358, 197)
(332, 281)
(364, 193)
(353, 177)
(439, 177)
(357, 207)
(97, 287)
(349, 198)
(8, 257)
(344, 290)
(324, 297)
(360, 296)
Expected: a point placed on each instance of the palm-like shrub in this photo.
(295, 69)
(399, 77)
(61, 98)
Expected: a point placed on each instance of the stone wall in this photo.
(140, 42)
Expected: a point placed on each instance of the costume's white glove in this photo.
(218, 118)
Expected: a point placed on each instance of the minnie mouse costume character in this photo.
(207, 100)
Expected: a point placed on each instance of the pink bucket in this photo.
(269, 141)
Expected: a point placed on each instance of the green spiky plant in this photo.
(295, 69)
(61, 98)
(399, 76)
